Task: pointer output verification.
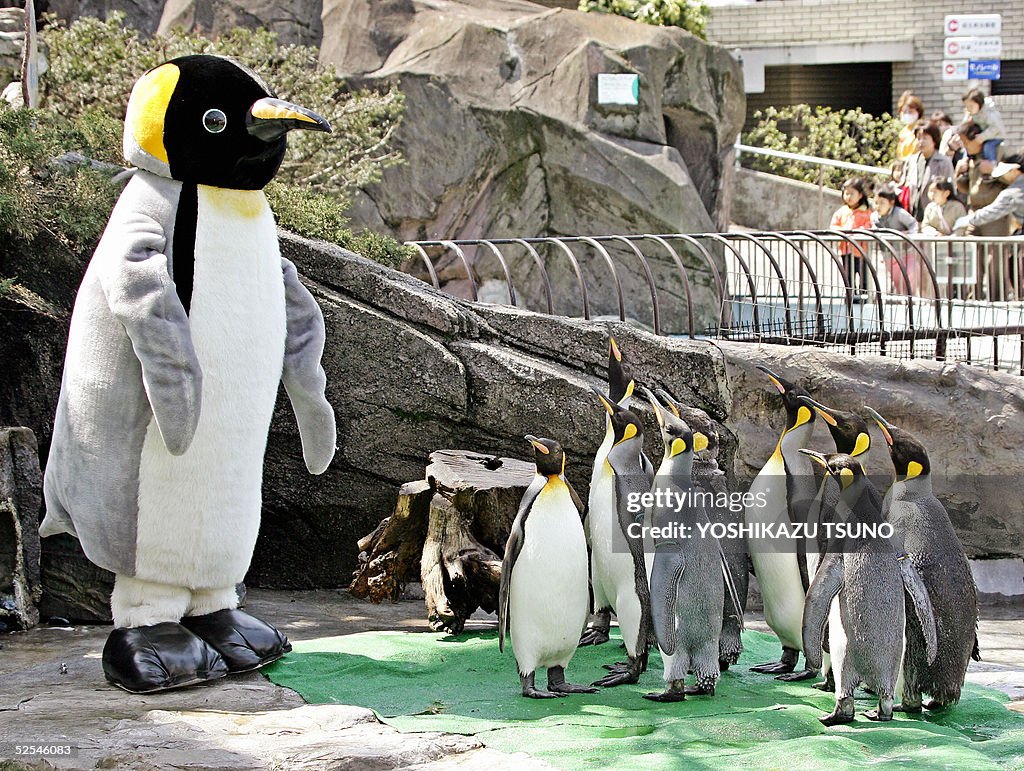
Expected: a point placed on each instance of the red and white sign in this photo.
(954, 69)
(973, 24)
(973, 47)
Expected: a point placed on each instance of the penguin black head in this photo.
(845, 468)
(797, 413)
(625, 423)
(849, 430)
(694, 417)
(909, 457)
(620, 376)
(209, 120)
(678, 437)
(548, 454)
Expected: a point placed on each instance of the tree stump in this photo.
(449, 531)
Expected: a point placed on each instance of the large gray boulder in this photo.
(411, 370)
(503, 136)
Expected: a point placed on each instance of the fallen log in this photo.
(449, 532)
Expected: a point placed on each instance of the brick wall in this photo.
(804, 22)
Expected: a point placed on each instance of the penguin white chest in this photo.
(199, 512)
(548, 587)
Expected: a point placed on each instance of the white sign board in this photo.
(973, 24)
(954, 69)
(973, 47)
(615, 88)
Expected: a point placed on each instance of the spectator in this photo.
(982, 110)
(944, 210)
(910, 110)
(945, 124)
(898, 178)
(854, 214)
(1009, 201)
(973, 180)
(890, 215)
(924, 166)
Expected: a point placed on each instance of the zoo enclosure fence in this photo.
(860, 292)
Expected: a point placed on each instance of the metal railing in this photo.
(862, 292)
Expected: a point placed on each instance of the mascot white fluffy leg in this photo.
(186, 322)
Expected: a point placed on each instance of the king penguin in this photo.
(780, 495)
(186, 321)
(684, 569)
(711, 479)
(620, 392)
(542, 599)
(619, 573)
(868, 579)
(850, 433)
(923, 530)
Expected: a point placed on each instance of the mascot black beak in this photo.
(269, 119)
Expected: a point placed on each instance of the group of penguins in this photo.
(897, 615)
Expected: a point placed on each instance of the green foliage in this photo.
(69, 202)
(315, 215)
(691, 15)
(853, 136)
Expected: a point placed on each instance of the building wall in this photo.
(853, 22)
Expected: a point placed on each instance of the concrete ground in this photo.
(52, 692)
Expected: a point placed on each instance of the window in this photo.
(1011, 78)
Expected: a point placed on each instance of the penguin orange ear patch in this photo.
(846, 477)
(700, 441)
(914, 469)
(678, 446)
(147, 108)
(629, 432)
(863, 444)
(803, 415)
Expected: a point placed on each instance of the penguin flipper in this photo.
(629, 488)
(827, 583)
(666, 571)
(578, 502)
(915, 589)
(141, 295)
(303, 375)
(513, 546)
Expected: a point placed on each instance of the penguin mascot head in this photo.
(209, 120)
(185, 324)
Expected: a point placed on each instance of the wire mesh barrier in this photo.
(861, 292)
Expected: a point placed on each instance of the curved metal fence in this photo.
(862, 292)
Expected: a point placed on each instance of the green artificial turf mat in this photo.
(462, 684)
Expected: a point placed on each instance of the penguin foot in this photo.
(836, 718)
(700, 690)
(934, 705)
(795, 677)
(535, 693)
(594, 636)
(908, 709)
(558, 685)
(618, 678)
(723, 665)
(145, 659)
(667, 696)
(773, 668)
(825, 685)
(245, 642)
(881, 717)
(618, 667)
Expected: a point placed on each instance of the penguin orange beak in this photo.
(537, 444)
(817, 457)
(613, 348)
(269, 119)
(883, 424)
(669, 402)
(821, 409)
(777, 381)
(608, 406)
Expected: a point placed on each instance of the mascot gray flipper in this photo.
(186, 321)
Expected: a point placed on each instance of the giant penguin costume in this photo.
(619, 574)
(186, 321)
(923, 530)
(685, 573)
(859, 590)
(710, 478)
(542, 598)
(786, 486)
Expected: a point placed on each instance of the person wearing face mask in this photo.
(910, 109)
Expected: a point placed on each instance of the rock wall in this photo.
(770, 202)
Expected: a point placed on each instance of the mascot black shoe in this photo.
(186, 321)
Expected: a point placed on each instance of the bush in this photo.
(691, 15)
(94, 64)
(853, 136)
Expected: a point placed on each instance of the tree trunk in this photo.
(451, 531)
